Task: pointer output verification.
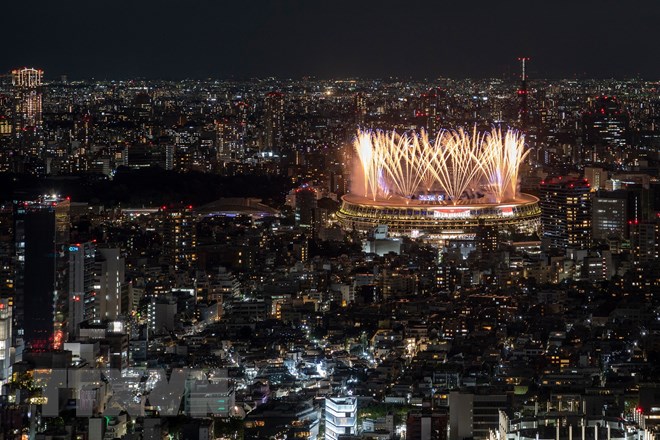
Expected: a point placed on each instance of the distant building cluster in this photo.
(253, 293)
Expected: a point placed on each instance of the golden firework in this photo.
(460, 167)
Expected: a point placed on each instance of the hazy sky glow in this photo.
(377, 38)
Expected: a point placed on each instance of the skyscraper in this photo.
(274, 122)
(6, 288)
(566, 212)
(523, 111)
(360, 109)
(5, 338)
(430, 101)
(28, 107)
(36, 276)
(605, 126)
(177, 227)
(27, 88)
(305, 203)
(609, 215)
(109, 273)
(7, 247)
(6, 123)
(40, 307)
(82, 297)
(487, 239)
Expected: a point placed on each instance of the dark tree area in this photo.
(146, 187)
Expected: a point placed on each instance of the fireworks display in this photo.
(456, 167)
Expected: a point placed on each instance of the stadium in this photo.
(440, 189)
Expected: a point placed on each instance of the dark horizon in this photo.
(340, 39)
(505, 76)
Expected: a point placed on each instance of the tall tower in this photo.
(360, 109)
(274, 120)
(523, 112)
(27, 109)
(242, 110)
(431, 112)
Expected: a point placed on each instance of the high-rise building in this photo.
(5, 338)
(160, 315)
(640, 203)
(35, 274)
(305, 203)
(320, 217)
(595, 267)
(340, 417)
(430, 112)
(145, 156)
(426, 425)
(274, 120)
(609, 215)
(28, 120)
(6, 289)
(605, 126)
(7, 248)
(474, 415)
(523, 111)
(27, 87)
(360, 109)
(177, 226)
(82, 295)
(6, 123)
(566, 212)
(487, 239)
(645, 241)
(338, 183)
(109, 282)
(41, 301)
(596, 177)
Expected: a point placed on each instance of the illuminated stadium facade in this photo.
(439, 222)
(446, 188)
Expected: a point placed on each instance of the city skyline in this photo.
(290, 219)
(370, 39)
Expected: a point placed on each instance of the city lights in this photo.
(305, 221)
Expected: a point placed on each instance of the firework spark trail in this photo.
(365, 149)
(429, 177)
(455, 169)
(514, 145)
(456, 163)
(492, 163)
(500, 162)
(404, 163)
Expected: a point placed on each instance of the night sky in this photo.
(115, 39)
